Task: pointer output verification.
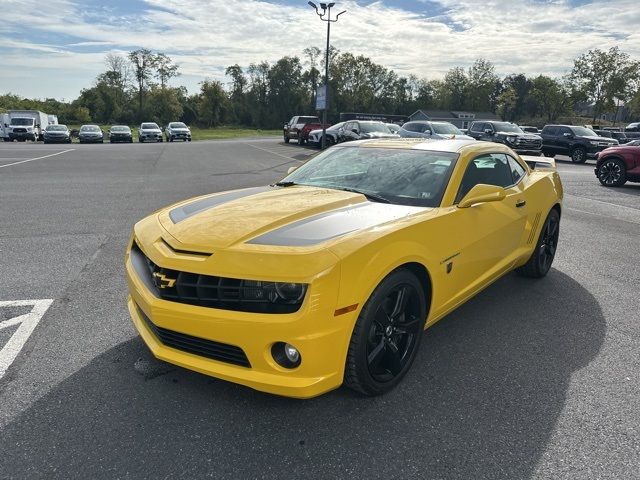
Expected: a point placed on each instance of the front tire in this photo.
(542, 257)
(612, 173)
(387, 335)
(578, 155)
(548, 154)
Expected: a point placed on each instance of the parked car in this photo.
(57, 134)
(90, 134)
(394, 128)
(361, 129)
(299, 127)
(529, 129)
(315, 136)
(633, 127)
(177, 131)
(617, 165)
(149, 132)
(120, 133)
(508, 134)
(433, 130)
(579, 143)
(332, 274)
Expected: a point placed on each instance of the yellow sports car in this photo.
(329, 276)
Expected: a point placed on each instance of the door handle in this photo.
(521, 203)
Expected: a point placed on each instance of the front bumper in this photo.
(57, 139)
(90, 139)
(120, 138)
(23, 135)
(156, 137)
(320, 337)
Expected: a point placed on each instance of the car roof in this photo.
(453, 145)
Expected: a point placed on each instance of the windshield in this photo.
(446, 129)
(374, 127)
(335, 127)
(119, 129)
(402, 176)
(22, 121)
(583, 132)
(150, 126)
(89, 128)
(57, 128)
(177, 125)
(507, 127)
(306, 120)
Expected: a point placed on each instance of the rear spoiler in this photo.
(538, 163)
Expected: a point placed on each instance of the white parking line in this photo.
(27, 322)
(37, 158)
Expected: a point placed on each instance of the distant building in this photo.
(459, 118)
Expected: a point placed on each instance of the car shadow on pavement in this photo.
(481, 401)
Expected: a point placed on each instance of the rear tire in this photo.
(286, 139)
(612, 173)
(542, 257)
(578, 155)
(387, 335)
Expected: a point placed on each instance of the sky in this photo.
(57, 48)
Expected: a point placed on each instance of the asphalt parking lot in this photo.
(531, 379)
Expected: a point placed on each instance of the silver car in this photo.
(149, 132)
(177, 131)
(434, 130)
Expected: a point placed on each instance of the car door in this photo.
(563, 140)
(484, 239)
(476, 130)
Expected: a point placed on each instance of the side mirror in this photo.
(428, 132)
(488, 131)
(291, 170)
(482, 193)
(355, 130)
(568, 135)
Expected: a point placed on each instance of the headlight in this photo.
(593, 143)
(274, 292)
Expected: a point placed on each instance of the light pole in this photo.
(324, 12)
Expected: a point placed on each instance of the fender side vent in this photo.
(534, 228)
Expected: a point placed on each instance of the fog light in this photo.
(286, 355)
(292, 353)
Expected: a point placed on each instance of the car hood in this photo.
(379, 135)
(450, 136)
(186, 130)
(296, 216)
(150, 130)
(91, 133)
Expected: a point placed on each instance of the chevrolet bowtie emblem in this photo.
(163, 282)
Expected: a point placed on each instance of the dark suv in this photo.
(509, 134)
(579, 143)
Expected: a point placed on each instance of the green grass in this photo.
(218, 133)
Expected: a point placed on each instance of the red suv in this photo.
(617, 165)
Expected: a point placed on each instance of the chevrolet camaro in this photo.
(330, 275)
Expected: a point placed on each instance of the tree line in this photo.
(136, 87)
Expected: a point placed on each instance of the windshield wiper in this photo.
(370, 196)
(283, 184)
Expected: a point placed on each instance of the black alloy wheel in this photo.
(612, 173)
(542, 257)
(387, 334)
(578, 155)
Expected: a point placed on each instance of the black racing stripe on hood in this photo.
(185, 211)
(326, 226)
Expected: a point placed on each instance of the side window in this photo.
(476, 126)
(412, 127)
(348, 126)
(489, 169)
(488, 126)
(563, 130)
(355, 126)
(550, 131)
(517, 171)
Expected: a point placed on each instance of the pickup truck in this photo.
(299, 127)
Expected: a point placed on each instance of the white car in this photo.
(315, 136)
(177, 131)
(149, 132)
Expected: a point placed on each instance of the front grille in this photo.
(206, 290)
(529, 143)
(198, 346)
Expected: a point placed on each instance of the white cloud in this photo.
(206, 36)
